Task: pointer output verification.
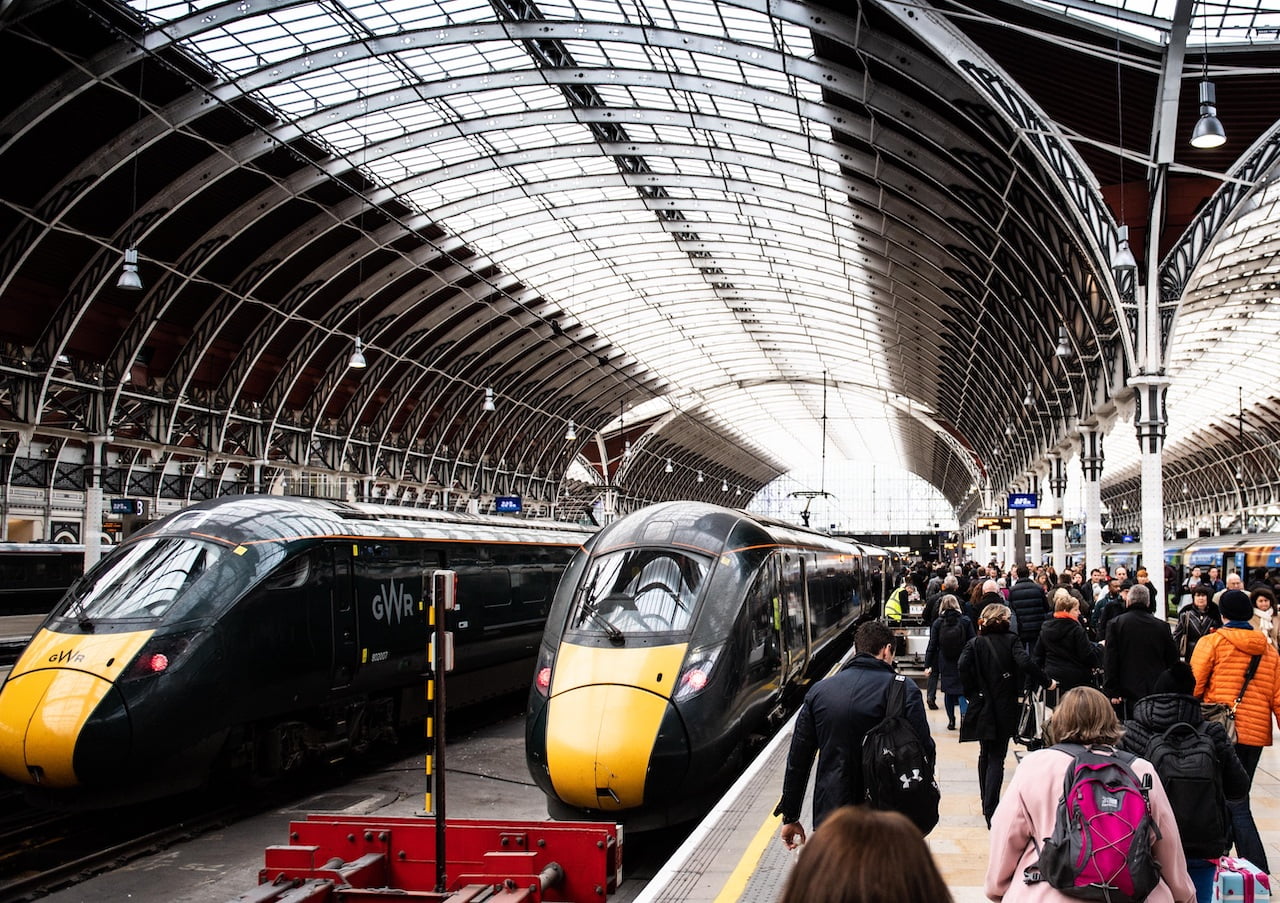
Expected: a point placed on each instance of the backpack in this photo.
(895, 767)
(1187, 762)
(952, 637)
(1100, 848)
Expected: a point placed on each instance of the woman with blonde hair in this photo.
(863, 855)
(1028, 812)
(1063, 649)
(994, 669)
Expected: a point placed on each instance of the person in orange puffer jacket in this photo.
(1220, 662)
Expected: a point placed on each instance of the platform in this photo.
(737, 855)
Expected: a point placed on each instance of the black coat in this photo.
(1192, 625)
(1066, 654)
(948, 668)
(1139, 648)
(994, 668)
(1028, 602)
(837, 712)
(1157, 713)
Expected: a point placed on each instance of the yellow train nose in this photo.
(54, 689)
(609, 716)
(41, 716)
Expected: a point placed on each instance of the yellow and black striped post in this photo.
(443, 589)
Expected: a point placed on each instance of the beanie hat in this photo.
(1177, 679)
(1235, 605)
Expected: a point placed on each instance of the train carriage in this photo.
(254, 633)
(678, 638)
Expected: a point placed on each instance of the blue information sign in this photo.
(508, 504)
(1023, 500)
(126, 506)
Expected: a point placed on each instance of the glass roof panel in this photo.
(1215, 21)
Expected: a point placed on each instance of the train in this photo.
(252, 634)
(34, 575)
(1250, 555)
(680, 636)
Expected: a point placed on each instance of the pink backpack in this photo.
(1100, 848)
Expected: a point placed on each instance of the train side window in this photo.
(290, 575)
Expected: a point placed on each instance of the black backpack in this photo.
(895, 767)
(1186, 760)
(952, 636)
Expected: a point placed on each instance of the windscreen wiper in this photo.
(611, 630)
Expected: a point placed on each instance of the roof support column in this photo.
(1151, 422)
(1058, 489)
(1034, 535)
(91, 532)
(1091, 465)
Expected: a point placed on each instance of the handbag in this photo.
(1031, 719)
(1221, 713)
(969, 730)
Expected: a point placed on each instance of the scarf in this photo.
(1073, 615)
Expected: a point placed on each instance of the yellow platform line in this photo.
(736, 884)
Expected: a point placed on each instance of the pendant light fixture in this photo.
(1063, 352)
(668, 468)
(571, 434)
(357, 361)
(488, 400)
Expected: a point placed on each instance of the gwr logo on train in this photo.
(393, 604)
(67, 656)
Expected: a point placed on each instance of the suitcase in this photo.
(1239, 881)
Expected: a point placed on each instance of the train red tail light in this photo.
(159, 655)
(542, 673)
(699, 669)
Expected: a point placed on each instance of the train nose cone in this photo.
(601, 740)
(42, 715)
(58, 684)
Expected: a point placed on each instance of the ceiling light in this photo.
(488, 400)
(626, 449)
(1123, 258)
(1027, 399)
(668, 468)
(724, 485)
(1208, 132)
(570, 435)
(356, 361)
(699, 476)
(1063, 351)
(129, 278)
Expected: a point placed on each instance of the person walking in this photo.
(948, 635)
(1064, 652)
(1172, 703)
(1029, 605)
(1221, 664)
(1139, 646)
(835, 715)
(1029, 811)
(1197, 620)
(994, 667)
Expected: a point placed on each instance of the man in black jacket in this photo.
(1029, 606)
(1139, 649)
(836, 714)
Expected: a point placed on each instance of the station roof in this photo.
(714, 238)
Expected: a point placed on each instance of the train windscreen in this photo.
(639, 591)
(164, 578)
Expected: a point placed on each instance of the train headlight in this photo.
(698, 671)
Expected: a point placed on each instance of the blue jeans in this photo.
(951, 700)
(1248, 840)
(1201, 872)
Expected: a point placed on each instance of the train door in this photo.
(795, 603)
(346, 639)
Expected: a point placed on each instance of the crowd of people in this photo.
(1123, 684)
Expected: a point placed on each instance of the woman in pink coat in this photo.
(1029, 807)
